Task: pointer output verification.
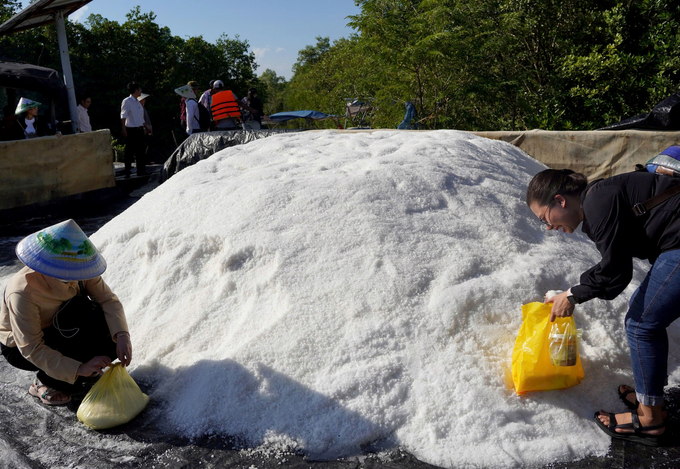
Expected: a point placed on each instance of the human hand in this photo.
(124, 348)
(124, 132)
(94, 367)
(561, 307)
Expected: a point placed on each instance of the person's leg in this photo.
(41, 388)
(91, 340)
(139, 151)
(129, 152)
(653, 307)
(16, 359)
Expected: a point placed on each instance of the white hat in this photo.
(142, 96)
(25, 104)
(218, 84)
(185, 91)
(62, 251)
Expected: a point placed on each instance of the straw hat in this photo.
(142, 96)
(185, 91)
(62, 251)
(25, 104)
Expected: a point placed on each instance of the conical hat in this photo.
(186, 92)
(62, 251)
(25, 104)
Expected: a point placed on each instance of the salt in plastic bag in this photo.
(114, 400)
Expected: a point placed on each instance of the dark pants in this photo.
(134, 150)
(92, 339)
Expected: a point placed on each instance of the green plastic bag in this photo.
(114, 400)
(533, 367)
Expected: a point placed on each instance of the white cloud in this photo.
(75, 17)
(279, 49)
(260, 52)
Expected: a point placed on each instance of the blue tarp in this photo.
(286, 116)
(411, 115)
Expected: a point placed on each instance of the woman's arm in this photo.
(613, 227)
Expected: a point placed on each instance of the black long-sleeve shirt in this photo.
(619, 235)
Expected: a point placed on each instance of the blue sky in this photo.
(276, 30)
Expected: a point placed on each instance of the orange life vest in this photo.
(224, 105)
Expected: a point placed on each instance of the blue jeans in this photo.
(652, 308)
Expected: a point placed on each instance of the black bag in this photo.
(203, 117)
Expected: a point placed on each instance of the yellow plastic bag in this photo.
(114, 400)
(532, 367)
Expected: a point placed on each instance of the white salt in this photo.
(322, 292)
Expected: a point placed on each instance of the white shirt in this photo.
(206, 100)
(30, 126)
(192, 116)
(84, 119)
(132, 111)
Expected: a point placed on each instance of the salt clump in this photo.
(329, 292)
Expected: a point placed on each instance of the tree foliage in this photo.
(497, 64)
(271, 91)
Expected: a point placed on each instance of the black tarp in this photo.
(664, 116)
(32, 78)
(202, 145)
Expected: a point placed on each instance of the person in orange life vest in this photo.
(226, 108)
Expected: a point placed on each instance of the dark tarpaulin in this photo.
(664, 116)
(33, 78)
(205, 144)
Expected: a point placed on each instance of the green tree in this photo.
(271, 91)
(311, 54)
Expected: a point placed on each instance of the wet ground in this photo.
(34, 436)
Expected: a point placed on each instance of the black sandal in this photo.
(630, 405)
(638, 436)
(623, 395)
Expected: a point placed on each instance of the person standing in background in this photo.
(132, 122)
(252, 121)
(83, 116)
(193, 124)
(206, 97)
(148, 129)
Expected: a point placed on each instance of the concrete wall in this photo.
(596, 154)
(42, 169)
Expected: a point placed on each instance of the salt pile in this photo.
(332, 292)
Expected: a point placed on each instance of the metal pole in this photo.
(66, 68)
